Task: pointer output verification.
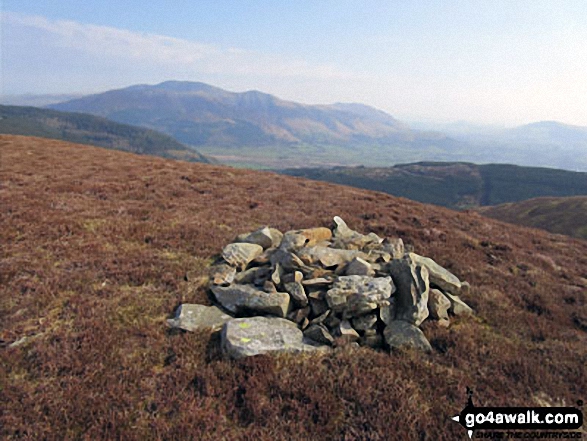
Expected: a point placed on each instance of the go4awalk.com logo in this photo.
(520, 422)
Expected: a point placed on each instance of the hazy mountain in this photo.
(256, 129)
(92, 130)
(557, 215)
(37, 100)
(455, 185)
(199, 114)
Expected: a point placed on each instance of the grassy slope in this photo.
(99, 249)
(92, 130)
(456, 185)
(557, 215)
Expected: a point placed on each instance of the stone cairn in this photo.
(318, 288)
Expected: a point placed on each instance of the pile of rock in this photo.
(316, 288)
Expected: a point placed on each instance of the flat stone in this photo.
(458, 307)
(321, 318)
(246, 337)
(401, 334)
(358, 295)
(222, 274)
(438, 305)
(319, 281)
(411, 298)
(296, 239)
(327, 257)
(239, 255)
(247, 299)
(319, 333)
(193, 317)
(346, 331)
(359, 267)
(439, 276)
(297, 293)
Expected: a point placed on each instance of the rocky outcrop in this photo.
(321, 287)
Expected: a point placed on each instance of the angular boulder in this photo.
(401, 334)
(222, 274)
(294, 240)
(297, 293)
(359, 267)
(193, 317)
(411, 298)
(246, 337)
(247, 299)
(438, 305)
(327, 257)
(358, 295)
(239, 255)
(439, 276)
(457, 306)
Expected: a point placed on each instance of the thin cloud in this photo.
(125, 45)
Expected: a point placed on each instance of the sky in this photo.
(486, 62)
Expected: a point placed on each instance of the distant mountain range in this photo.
(558, 215)
(455, 185)
(92, 130)
(259, 130)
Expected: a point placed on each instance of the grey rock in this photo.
(327, 257)
(246, 337)
(297, 293)
(393, 246)
(222, 274)
(244, 299)
(239, 255)
(257, 275)
(438, 305)
(371, 339)
(319, 281)
(401, 334)
(192, 317)
(260, 237)
(288, 260)
(439, 276)
(411, 298)
(298, 315)
(375, 256)
(359, 267)
(320, 319)
(346, 332)
(317, 306)
(319, 333)
(276, 275)
(294, 240)
(458, 307)
(358, 295)
(365, 322)
(348, 239)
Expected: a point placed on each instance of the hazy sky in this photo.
(499, 62)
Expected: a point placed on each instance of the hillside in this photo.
(557, 215)
(92, 130)
(99, 247)
(455, 185)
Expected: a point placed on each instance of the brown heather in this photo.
(100, 247)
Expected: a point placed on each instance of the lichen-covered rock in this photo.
(358, 295)
(247, 299)
(246, 337)
(239, 255)
(193, 317)
(401, 334)
(411, 298)
(439, 276)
